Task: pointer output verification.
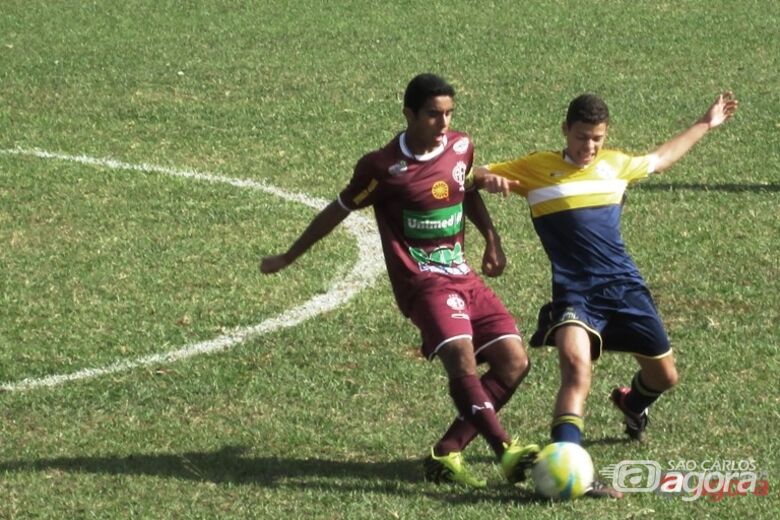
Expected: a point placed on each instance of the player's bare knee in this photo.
(576, 376)
(574, 362)
(509, 361)
(512, 369)
(458, 359)
(669, 379)
(659, 375)
(661, 380)
(518, 368)
(526, 367)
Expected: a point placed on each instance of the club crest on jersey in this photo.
(461, 145)
(398, 168)
(455, 302)
(440, 190)
(459, 174)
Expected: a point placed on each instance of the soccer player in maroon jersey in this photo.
(420, 188)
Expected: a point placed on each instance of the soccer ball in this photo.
(563, 470)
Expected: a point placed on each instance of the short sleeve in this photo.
(514, 170)
(639, 167)
(362, 189)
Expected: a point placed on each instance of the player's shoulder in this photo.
(459, 142)
(619, 160)
(613, 154)
(545, 157)
(544, 154)
(381, 162)
(454, 135)
(389, 151)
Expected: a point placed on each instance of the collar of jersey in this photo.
(426, 156)
(569, 160)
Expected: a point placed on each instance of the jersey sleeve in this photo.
(468, 182)
(514, 170)
(363, 188)
(639, 167)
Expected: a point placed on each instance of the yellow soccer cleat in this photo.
(450, 468)
(517, 459)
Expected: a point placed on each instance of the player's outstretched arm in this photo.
(719, 112)
(320, 226)
(492, 183)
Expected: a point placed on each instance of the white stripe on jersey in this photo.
(570, 189)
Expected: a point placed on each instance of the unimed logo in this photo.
(691, 480)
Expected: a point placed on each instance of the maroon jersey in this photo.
(418, 204)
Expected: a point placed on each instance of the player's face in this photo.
(425, 130)
(583, 141)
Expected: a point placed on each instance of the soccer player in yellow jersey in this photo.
(599, 299)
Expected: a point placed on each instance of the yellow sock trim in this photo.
(570, 418)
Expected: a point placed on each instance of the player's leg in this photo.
(574, 355)
(457, 356)
(476, 408)
(655, 376)
(579, 344)
(641, 332)
(442, 315)
(498, 344)
(508, 364)
(468, 394)
(570, 325)
(446, 463)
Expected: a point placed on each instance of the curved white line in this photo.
(369, 265)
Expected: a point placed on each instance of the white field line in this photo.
(363, 274)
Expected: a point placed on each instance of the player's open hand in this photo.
(721, 110)
(272, 264)
(495, 184)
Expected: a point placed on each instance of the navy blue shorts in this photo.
(619, 317)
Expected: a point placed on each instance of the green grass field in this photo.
(145, 364)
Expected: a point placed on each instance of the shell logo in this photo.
(440, 190)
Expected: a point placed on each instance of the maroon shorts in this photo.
(450, 312)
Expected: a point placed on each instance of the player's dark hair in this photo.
(424, 86)
(587, 108)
